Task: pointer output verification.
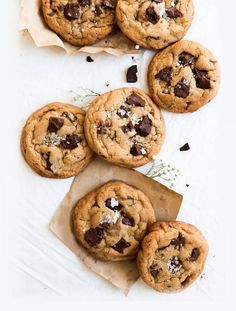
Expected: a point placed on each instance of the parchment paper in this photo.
(166, 204)
(31, 20)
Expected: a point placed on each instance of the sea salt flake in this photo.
(143, 151)
(114, 202)
(106, 219)
(116, 217)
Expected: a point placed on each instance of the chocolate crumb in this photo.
(185, 147)
(89, 59)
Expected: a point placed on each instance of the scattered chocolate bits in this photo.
(185, 147)
(71, 141)
(127, 128)
(113, 204)
(202, 81)
(164, 75)
(129, 221)
(135, 100)
(84, 3)
(194, 255)
(89, 59)
(55, 124)
(71, 11)
(121, 245)
(143, 127)
(186, 59)
(154, 271)
(94, 236)
(173, 13)
(97, 11)
(131, 76)
(111, 4)
(151, 15)
(179, 242)
(122, 112)
(181, 89)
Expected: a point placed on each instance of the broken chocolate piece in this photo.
(186, 59)
(122, 112)
(181, 89)
(185, 147)
(71, 141)
(173, 13)
(55, 124)
(143, 127)
(202, 81)
(135, 100)
(94, 236)
(121, 245)
(178, 242)
(131, 76)
(129, 221)
(194, 255)
(127, 128)
(164, 75)
(89, 59)
(71, 11)
(151, 15)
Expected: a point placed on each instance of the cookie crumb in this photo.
(137, 47)
(107, 84)
(185, 147)
(89, 59)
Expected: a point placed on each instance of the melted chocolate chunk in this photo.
(131, 76)
(113, 204)
(181, 89)
(143, 127)
(48, 163)
(94, 236)
(173, 13)
(127, 220)
(84, 3)
(185, 147)
(122, 112)
(151, 15)
(135, 100)
(136, 150)
(127, 128)
(202, 81)
(186, 59)
(185, 282)
(164, 75)
(89, 59)
(55, 124)
(97, 11)
(71, 11)
(179, 242)
(71, 141)
(110, 4)
(121, 245)
(194, 255)
(154, 271)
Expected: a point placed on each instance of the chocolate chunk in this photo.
(71, 11)
(110, 4)
(121, 245)
(181, 89)
(94, 236)
(151, 15)
(185, 282)
(89, 59)
(101, 129)
(186, 59)
(55, 124)
(105, 224)
(154, 271)
(131, 76)
(61, 8)
(113, 204)
(179, 242)
(202, 81)
(128, 127)
(71, 141)
(135, 100)
(84, 3)
(137, 150)
(122, 112)
(143, 127)
(173, 13)
(194, 255)
(164, 75)
(52, 13)
(48, 163)
(129, 221)
(185, 147)
(97, 11)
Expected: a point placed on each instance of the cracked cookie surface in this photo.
(154, 24)
(53, 141)
(172, 256)
(111, 221)
(125, 127)
(80, 22)
(183, 77)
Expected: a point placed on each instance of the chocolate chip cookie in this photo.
(111, 221)
(172, 256)
(53, 141)
(124, 127)
(154, 24)
(80, 22)
(183, 77)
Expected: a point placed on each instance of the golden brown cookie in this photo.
(80, 22)
(154, 24)
(125, 127)
(53, 141)
(183, 77)
(111, 221)
(172, 256)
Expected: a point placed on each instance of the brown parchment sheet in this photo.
(31, 20)
(165, 201)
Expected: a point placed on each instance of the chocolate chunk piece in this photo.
(143, 127)
(84, 3)
(185, 147)
(186, 59)
(71, 141)
(173, 13)
(137, 150)
(55, 124)
(154, 271)
(151, 15)
(127, 220)
(181, 89)
(135, 100)
(101, 129)
(164, 75)
(178, 242)
(122, 112)
(202, 81)
(94, 236)
(194, 255)
(97, 11)
(128, 127)
(89, 59)
(185, 282)
(48, 163)
(131, 76)
(110, 4)
(113, 204)
(71, 11)
(121, 245)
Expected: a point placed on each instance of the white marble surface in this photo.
(41, 268)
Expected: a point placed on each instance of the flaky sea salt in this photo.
(116, 217)
(174, 264)
(143, 151)
(114, 202)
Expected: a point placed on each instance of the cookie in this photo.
(53, 141)
(125, 127)
(80, 22)
(154, 24)
(111, 221)
(172, 256)
(183, 77)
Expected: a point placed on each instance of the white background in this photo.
(37, 270)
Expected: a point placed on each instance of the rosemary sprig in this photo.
(82, 96)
